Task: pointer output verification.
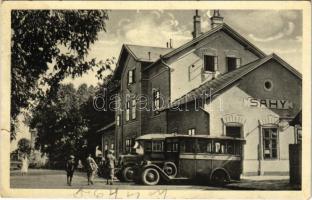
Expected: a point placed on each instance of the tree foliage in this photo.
(47, 46)
(60, 122)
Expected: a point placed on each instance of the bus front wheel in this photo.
(150, 176)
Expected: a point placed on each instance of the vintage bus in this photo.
(147, 147)
(217, 160)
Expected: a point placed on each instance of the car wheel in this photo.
(219, 178)
(150, 176)
(170, 169)
(127, 174)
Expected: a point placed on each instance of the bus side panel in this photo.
(203, 169)
(187, 166)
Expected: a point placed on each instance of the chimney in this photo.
(197, 25)
(216, 19)
(167, 44)
(149, 55)
(170, 43)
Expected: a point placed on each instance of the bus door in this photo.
(227, 155)
(187, 164)
(203, 158)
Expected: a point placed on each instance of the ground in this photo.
(56, 179)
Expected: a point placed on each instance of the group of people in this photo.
(92, 168)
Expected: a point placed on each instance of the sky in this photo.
(278, 31)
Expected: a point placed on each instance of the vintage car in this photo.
(149, 147)
(204, 158)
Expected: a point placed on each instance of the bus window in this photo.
(148, 146)
(169, 146)
(187, 146)
(204, 146)
(175, 146)
(157, 146)
(219, 147)
(230, 147)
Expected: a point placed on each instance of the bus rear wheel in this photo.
(150, 176)
(219, 178)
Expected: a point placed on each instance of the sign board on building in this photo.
(268, 103)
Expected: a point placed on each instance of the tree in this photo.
(60, 123)
(49, 39)
(24, 146)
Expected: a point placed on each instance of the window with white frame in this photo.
(210, 63)
(128, 111)
(131, 76)
(270, 143)
(133, 109)
(128, 145)
(191, 131)
(156, 99)
(118, 120)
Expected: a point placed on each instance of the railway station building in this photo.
(217, 84)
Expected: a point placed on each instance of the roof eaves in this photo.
(287, 66)
(106, 127)
(244, 40)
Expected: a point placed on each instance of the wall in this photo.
(187, 118)
(230, 106)
(157, 77)
(184, 77)
(132, 128)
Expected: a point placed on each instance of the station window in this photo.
(118, 120)
(233, 63)
(156, 99)
(128, 111)
(234, 130)
(128, 145)
(270, 143)
(133, 109)
(210, 63)
(191, 131)
(131, 76)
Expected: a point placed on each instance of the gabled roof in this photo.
(224, 27)
(225, 80)
(140, 54)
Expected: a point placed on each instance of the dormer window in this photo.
(233, 63)
(131, 76)
(210, 63)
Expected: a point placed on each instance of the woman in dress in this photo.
(91, 169)
(24, 168)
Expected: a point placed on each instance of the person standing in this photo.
(70, 168)
(111, 166)
(91, 168)
(24, 168)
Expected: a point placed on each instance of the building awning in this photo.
(297, 120)
(108, 126)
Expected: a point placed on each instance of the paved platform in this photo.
(56, 179)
